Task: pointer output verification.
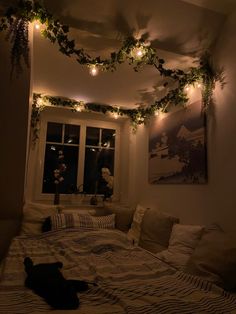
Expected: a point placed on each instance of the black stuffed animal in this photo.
(47, 281)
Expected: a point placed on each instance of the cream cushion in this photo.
(135, 230)
(34, 215)
(183, 241)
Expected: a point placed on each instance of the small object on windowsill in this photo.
(56, 196)
(93, 200)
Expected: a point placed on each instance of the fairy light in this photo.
(138, 52)
(199, 85)
(37, 25)
(157, 113)
(78, 108)
(115, 115)
(93, 70)
(39, 102)
(187, 88)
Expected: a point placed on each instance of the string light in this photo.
(93, 70)
(78, 108)
(39, 102)
(156, 113)
(37, 26)
(115, 115)
(138, 52)
(187, 88)
(199, 85)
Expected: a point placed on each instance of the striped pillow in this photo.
(60, 221)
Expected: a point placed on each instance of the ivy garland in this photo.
(16, 21)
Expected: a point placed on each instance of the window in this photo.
(63, 137)
(87, 150)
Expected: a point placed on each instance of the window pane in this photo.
(108, 138)
(54, 132)
(51, 163)
(92, 136)
(72, 133)
(95, 160)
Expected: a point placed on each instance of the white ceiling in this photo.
(179, 30)
(221, 6)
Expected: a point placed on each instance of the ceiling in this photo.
(179, 30)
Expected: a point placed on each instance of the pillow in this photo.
(135, 230)
(124, 215)
(79, 210)
(183, 241)
(61, 221)
(36, 212)
(156, 230)
(34, 215)
(215, 259)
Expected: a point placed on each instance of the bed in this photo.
(128, 278)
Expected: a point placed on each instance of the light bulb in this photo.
(78, 108)
(139, 52)
(37, 26)
(187, 88)
(39, 102)
(157, 113)
(93, 70)
(115, 115)
(199, 85)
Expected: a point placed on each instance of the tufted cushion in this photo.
(156, 230)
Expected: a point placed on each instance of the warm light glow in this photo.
(78, 108)
(37, 26)
(39, 102)
(157, 113)
(199, 85)
(187, 88)
(115, 115)
(138, 52)
(93, 70)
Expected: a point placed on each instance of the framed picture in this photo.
(177, 147)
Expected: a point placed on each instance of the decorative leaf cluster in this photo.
(15, 22)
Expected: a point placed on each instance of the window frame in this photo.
(83, 121)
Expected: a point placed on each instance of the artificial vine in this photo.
(16, 21)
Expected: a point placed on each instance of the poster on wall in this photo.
(177, 147)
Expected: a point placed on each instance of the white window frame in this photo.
(57, 116)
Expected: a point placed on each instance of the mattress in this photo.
(128, 279)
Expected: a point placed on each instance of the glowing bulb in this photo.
(157, 113)
(78, 108)
(37, 26)
(115, 115)
(187, 88)
(199, 85)
(93, 70)
(39, 102)
(139, 53)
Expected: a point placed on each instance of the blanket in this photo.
(128, 279)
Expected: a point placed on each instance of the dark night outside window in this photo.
(99, 152)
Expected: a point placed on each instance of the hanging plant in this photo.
(137, 52)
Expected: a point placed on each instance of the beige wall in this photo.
(215, 201)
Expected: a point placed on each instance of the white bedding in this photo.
(129, 279)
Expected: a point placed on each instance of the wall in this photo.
(14, 108)
(215, 201)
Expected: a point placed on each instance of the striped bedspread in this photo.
(129, 280)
